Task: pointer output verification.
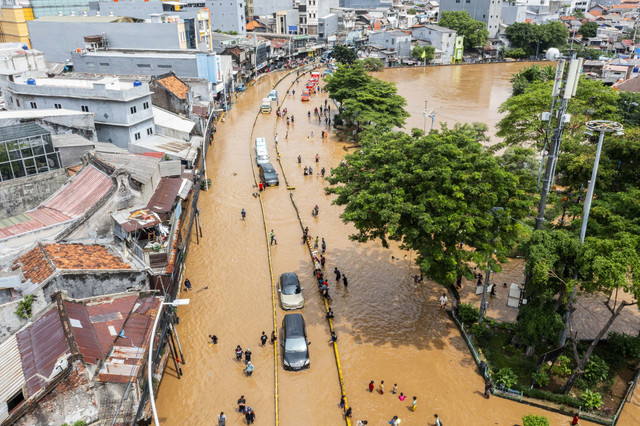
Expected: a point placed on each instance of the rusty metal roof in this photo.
(165, 196)
(135, 218)
(108, 315)
(72, 201)
(83, 332)
(41, 346)
(129, 349)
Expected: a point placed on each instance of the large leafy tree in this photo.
(344, 54)
(376, 103)
(588, 29)
(372, 64)
(521, 80)
(424, 53)
(534, 37)
(346, 80)
(435, 194)
(475, 32)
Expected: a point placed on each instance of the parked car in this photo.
(290, 291)
(268, 175)
(240, 87)
(296, 348)
(265, 108)
(273, 95)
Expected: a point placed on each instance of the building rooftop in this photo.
(42, 261)
(438, 28)
(175, 86)
(72, 201)
(174, 148)
(20, 131)
(111, 83)
(167, 119)
(169, 54)
(70, 139)
(39, 113)
(92, 19)
(141, 167)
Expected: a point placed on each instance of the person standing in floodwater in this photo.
(243, 214)
(263, 339)
(344, 281)
(337, 272)
(238, 353)
(247, 356)
(371, 386)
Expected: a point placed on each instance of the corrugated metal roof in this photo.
(41, 345)
(141, 168)
(74, 199)
(86, 189)
(165, 196)
(11, 377)
(83, 332)
(108, 316)
(128, 351)
(136, 218)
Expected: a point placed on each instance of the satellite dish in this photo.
(553, 54)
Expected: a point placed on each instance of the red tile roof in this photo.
(72, 201)
(41, 262)
(175, 86)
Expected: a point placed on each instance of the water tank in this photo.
(137, 83)
(25, 47)
(31, 82)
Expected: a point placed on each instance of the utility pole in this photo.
(602, 127)
(563, 90)
(428, 113)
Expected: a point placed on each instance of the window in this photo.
(15, 401)
(104, 64)
(145, 105)
(85, 108)
(133, 110)
(57, 106)
(136, 136)
(33, 105)
(164, 66)
(144, 65)
(149, 131)
(18, 102)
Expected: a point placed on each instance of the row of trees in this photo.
(458, 205)
(532, 38)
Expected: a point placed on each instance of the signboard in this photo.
(293, 28)
(218, 68)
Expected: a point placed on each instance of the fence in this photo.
(519, 396)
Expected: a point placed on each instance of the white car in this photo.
(290, 292)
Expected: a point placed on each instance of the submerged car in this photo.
(305, 96)
(268, 174)
(290, 291)
(296, 348)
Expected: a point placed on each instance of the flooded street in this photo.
(388, 328)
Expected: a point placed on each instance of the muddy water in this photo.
(388, 328)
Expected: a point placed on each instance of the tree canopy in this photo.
(424, 53)
(434, 194)
(475, 32)
(378, 103)
(372, 64)
(588, 29)
(346, 80)
(527, 36)
(344, 54)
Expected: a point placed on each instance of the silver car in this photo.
(290, 291)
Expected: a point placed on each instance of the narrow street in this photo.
(388, 327)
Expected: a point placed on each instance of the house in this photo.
(441, 38)
(487, 11)
(593, 68)
(615, 73)
(395, 41)
(629, 85)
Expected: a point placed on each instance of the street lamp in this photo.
(176, 302)
(602, 127)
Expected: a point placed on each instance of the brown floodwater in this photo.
(388, 328)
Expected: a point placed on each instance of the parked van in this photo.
(262, 156)
(266, 106)
(268, 175)
(261, 143)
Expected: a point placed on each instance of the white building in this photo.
(441, 38)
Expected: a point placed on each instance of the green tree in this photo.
(608, 266)
(629, 106)
(432, 194)
(515, 54)
(522, 80)
(475, 32)
(534, 420)
(588, 29)
(346, 81)
(428, 52)
(534, 38)
(553, 34)
(376, 103)
(412, 11)
(522, 122)
(550, 258)
(344, 54)
(372, 64)
(522, 36)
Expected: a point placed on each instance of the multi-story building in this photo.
(228, 15)
(122, 109)
(396, 41)
(73, 32)
(327, 26)
(441, 38)
(15, 60)
(487, 11)
(287, 21)
(13, 22)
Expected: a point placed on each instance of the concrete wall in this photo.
(400, 43)
(228, 15)
(327, 26)
(22, 194)
(487, 11)
(365, 4)
(181, 65)
(269, 7)
(70, 36)
(513, 13)
(83, 284)
(10, 322)
(444, 40)
(166, 100)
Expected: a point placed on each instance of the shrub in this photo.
(624, 345)
(506, 377)
(562, 367)
(25, 306)
(592, 400)
(468, 313)
(541, 379)
(595, 371)
(567, 400)
(479, 330)
(533, 420)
